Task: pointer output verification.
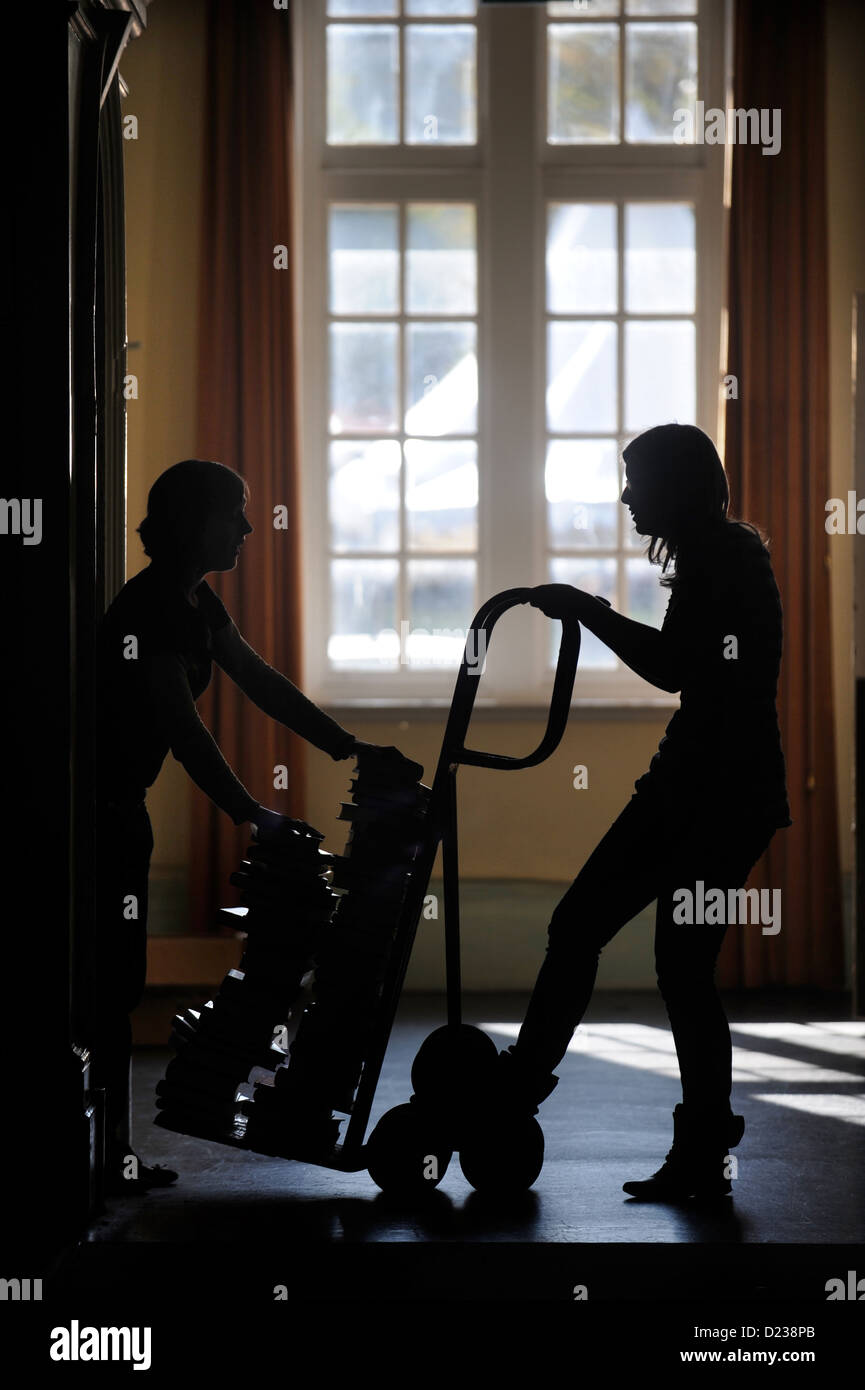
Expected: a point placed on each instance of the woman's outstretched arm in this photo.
(191, 741)
(645, 649)
(277, 696)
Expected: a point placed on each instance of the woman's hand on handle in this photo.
(389, 757)
(559, 601)
(270, 825)
(377, 750)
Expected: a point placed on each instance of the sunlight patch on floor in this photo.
(848, 1108)
(844, 1039)
(652, 1049)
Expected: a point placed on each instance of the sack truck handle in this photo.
(442, 828)
(443, 801)
(468, 679)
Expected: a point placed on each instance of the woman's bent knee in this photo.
(566, 940)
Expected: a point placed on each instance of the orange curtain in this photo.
(247, 406)
(777, 460)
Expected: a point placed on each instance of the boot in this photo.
(519, 1089)
(124, 1179)
(694, 1166)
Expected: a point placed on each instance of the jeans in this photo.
(647, 854)
(123, 849)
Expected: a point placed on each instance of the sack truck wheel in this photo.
(405, 1154)
(452, 1076)
(505, 1158)
(453, 1060)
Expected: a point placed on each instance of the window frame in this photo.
(510, 179)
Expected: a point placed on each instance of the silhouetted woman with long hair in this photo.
(705, 810)
(156, 646)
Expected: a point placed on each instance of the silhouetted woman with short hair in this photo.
(156, 646)
(705, 810)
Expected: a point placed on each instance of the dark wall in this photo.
(57, 94)
(36, 587)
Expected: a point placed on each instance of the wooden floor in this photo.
(798, 1207)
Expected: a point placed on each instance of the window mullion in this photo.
(402, 80)
(402, 579)
(512, 354)
(621, 588)
(621, 69)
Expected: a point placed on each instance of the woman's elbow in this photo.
(184, 740)
(660, 678)
(663, 680)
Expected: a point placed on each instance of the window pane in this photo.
(364, 260)
(440, 84)
(441, 605)
(362, 84)
(441, 495)
(647, 601)
(660, 6)
(660, 78)
(363, 628)
(575, 9)
(659, 374)
(583, 84)
(363, 375)
(596, 577)
(437, 7)
(581, 389)
(582, 487)
(362, 7)
(660, 258)
(364, 495)
(441, 379)
(581, 258)
(441, 264)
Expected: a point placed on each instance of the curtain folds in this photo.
(247, 405)
(777, 460)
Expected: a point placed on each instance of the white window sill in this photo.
(435, 708)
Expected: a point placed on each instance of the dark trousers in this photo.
(643, 856)
(119, 961)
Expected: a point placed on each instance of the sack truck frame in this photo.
(411, 1146)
